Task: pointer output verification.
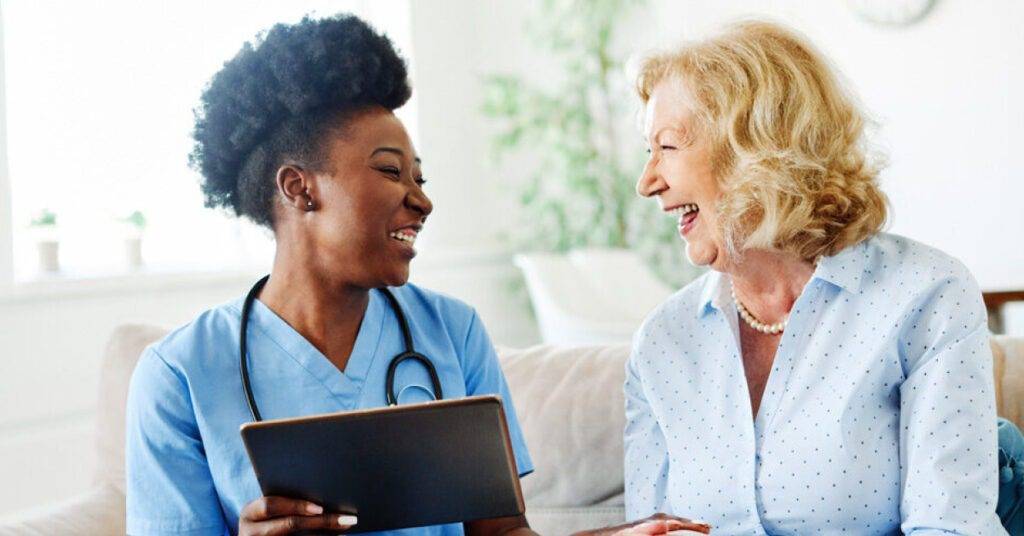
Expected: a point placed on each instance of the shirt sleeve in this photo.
(646, 453)
(484, 377)
(169, 486)
(947, 415)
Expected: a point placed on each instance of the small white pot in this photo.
(133, 252)
(49, 255)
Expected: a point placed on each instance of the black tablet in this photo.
(439, 462)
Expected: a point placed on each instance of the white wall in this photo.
(6, 257)
(451, 47)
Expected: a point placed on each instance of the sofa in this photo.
(569, 402)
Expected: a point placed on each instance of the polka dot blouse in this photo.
(878, 416)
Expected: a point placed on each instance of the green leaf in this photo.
(45, 218)
(136, 219)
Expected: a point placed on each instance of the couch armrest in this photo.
(97, 512)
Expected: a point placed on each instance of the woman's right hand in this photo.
(269, 516)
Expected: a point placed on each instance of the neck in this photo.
(768, 283)
(324, 311)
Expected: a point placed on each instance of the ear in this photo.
(295, 185)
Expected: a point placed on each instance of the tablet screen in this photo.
(439, 462)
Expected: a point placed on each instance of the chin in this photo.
(396, 277)
(700, 254)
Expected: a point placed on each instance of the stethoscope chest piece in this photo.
(389, 391)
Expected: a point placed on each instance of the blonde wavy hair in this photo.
(787, 141)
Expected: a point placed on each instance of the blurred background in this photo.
(524, 117)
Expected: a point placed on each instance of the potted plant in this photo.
(44, 226)
(135, 225)
(592, 246)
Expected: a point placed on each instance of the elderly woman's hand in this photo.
(653, 526)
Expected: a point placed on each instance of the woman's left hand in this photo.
(656, 525)
(664, 527)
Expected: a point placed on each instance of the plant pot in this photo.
(133, 252)
(49, 255)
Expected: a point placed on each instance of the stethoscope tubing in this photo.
(389, 384)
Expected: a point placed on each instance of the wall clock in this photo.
(891, 12)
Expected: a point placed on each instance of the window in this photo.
(99, 99)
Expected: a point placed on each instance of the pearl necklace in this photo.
(768, 329)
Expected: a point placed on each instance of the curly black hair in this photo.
(276, 100)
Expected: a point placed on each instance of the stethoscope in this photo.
(389, 384)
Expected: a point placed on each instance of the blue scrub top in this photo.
(187, 469)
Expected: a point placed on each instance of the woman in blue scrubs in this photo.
(297, 133)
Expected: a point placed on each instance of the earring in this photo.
(309, 204)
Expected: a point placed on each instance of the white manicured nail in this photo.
(347, 520)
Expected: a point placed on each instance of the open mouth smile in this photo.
(687, 214)
(406, 238)
(407, 235)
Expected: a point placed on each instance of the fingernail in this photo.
(699, 522)
(314, 508)
(347, 520)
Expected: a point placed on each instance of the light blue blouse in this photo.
(187, 469)
(878, 415)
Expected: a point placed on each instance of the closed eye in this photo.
(421, 181)
(663, 148)
(394, 172)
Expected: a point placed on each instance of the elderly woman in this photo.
(297, 133)
(823, 376)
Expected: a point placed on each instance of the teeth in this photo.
(410, 238)
(683, 210)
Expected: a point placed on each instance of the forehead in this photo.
(371, 129)
(669, 107)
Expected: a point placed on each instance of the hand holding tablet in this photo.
(439, 462)
(270, 516)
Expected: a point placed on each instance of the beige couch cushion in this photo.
(570, 405)
(96, 512)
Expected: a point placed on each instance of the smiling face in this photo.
(369, 204)
(679, 172)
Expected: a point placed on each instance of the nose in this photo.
(650, 182)
(418, 201)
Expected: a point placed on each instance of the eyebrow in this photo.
(686, 136)
(393, 150)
